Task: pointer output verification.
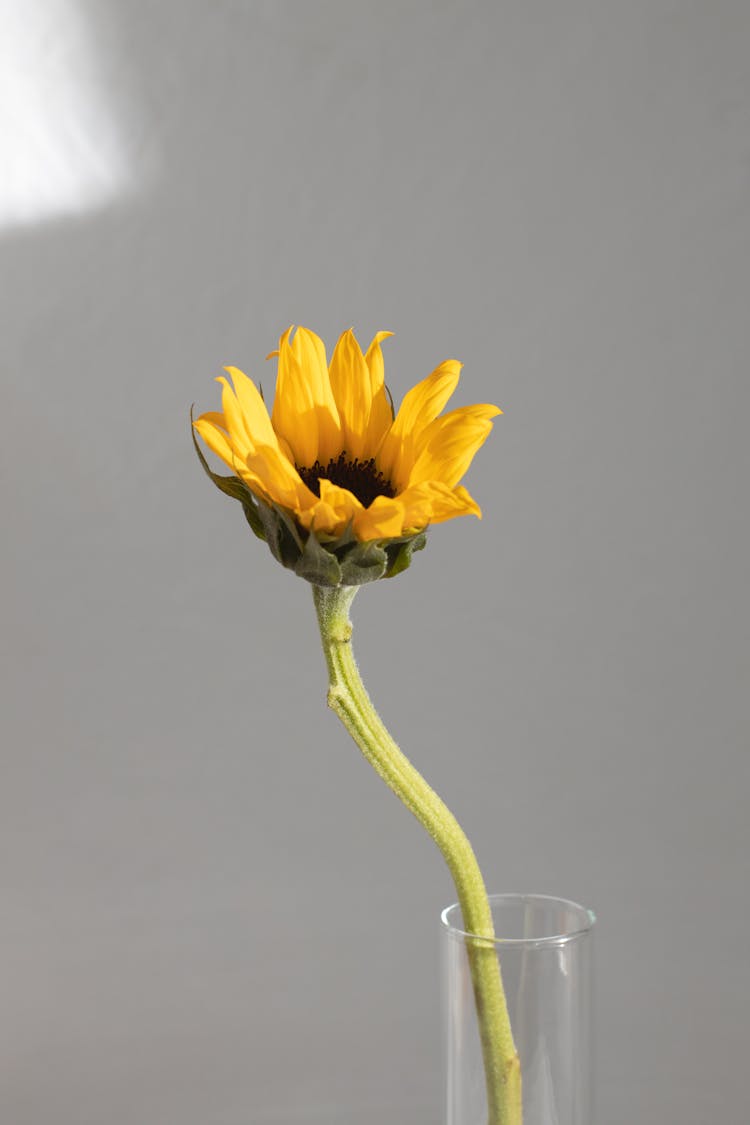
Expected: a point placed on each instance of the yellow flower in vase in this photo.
(343, 490)
(340, 488)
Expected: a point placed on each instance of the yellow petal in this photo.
(417, 505)
(341, 499)
(374, 361)
(310, 353)
(234, 419)
(257, 422)
(421, 405)
(286, 449)
(208, 426)
(331, 514)
(350, 382)
(294, 415)
(384, 519)
(322, 519)
(467, 502)
(277, 477)
(434, 502)
(450, 443)
(381, 415)
(215, 417)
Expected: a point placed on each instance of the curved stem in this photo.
(348, 698)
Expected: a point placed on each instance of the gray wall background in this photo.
(212, 911)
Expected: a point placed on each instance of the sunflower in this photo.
(340, 488)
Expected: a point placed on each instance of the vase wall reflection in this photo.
(544, 946)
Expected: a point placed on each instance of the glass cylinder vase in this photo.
(544, 947)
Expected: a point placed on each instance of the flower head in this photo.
(340, 488)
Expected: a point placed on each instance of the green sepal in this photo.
(400, 551)
(363, 562)
(281, 534)
(319, 566)
(232, 486)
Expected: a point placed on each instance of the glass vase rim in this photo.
(558, 939)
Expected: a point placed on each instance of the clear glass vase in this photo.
(544, 946)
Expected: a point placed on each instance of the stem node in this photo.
(334, 698)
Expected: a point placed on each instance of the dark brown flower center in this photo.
(363, 478)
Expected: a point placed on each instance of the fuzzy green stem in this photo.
(348, 698)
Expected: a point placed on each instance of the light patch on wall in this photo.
(63, 150)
